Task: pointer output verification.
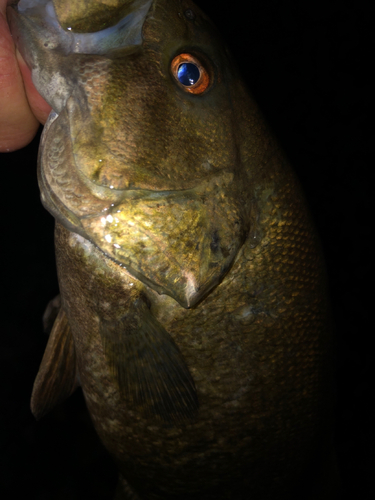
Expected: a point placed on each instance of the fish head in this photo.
(141, 154)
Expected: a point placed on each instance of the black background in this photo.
(310, 66)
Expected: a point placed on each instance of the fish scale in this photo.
(193, 290)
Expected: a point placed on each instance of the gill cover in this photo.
(140, 152)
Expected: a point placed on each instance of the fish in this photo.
(194, 310)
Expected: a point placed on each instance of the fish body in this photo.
(194, 312)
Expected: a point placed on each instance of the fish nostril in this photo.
(189, 14)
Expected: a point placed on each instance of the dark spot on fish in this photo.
(214, 245)
(189, 244)
(225, 252)
(189, 14)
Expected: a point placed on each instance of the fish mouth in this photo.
(42, 41)
(93, 38)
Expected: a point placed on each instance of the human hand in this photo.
(22, 109)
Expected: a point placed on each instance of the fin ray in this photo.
(57, 377)
(150, 370)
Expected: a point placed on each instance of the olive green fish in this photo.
(193, 299)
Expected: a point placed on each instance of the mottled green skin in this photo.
(256, 341)
(258, 348)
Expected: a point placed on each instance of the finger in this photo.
(38, 105)
(18, 124)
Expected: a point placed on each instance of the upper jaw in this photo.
(46, 46)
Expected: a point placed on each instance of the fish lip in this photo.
(43, 43)
(42, 13)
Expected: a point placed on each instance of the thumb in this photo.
(21, 107)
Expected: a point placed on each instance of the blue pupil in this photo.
(188, 74)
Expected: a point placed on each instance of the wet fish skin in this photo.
(88, 16)
(229, 396)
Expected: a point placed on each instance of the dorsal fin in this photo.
(57, 377)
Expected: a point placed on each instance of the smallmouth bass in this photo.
(194, 313)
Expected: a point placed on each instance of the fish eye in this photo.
(190, 74)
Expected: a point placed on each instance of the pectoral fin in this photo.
(150, 370)
(57, 377)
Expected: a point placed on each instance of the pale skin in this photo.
(22, 109)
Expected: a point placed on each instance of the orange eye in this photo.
(190, 74)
